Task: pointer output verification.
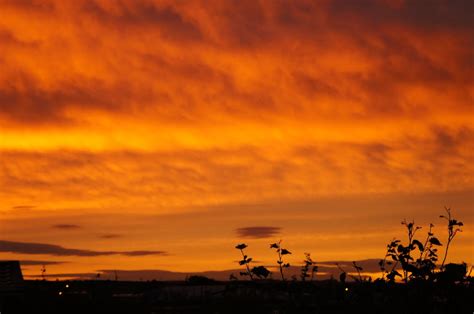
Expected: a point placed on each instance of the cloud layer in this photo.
(155, 107)
(56, 250)
(66, 226)
(257, 232)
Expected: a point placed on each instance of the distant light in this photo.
(60, 293)
(347, 289)
(67, 286)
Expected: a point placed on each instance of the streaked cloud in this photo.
(23, 207)
(56, 250)
(257, 232)
(66, 226)
(38, 263)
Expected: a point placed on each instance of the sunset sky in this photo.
(142, 134)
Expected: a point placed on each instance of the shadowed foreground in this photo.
(240, 297)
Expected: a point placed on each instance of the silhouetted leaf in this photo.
(410, 268)
(435, 241)
(241, 246)
(285, 252)
(274, 246)
(391, 276)
(418, 244)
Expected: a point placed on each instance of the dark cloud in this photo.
(168, 20)
(450, 140)
(67, 275)
(56, 250)
(35, 262)
(436, 14)
(257, 232)
(66, 226)
(28, 102)
(25, 207)
(314, 86)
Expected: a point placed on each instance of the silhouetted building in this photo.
(11, 278)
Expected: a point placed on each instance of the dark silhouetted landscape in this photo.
(409, 279)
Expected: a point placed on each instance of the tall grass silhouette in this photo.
(281, 252)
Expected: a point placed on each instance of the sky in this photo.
(156, 135)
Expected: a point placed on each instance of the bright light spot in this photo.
(60, 293)
(347, 289)
(67, 286)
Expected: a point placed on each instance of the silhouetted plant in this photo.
(260, 272)
(307, 267)
(245, 261)
(343, 275)
(281, 252)
(424, 266)
(453, 273)
(426, 263)
(358, 269)
(453, 229)
(404, 255)
(391, 252)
